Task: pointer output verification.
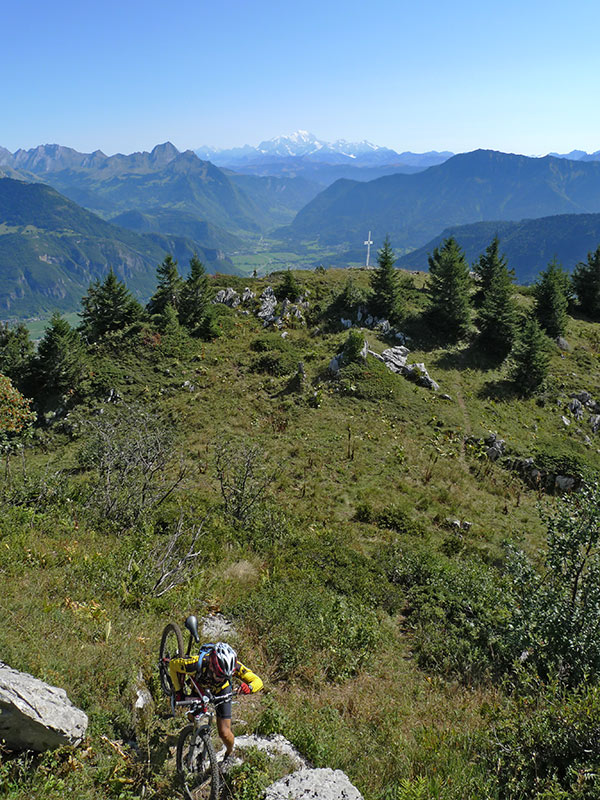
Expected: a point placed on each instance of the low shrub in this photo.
(546, 744)
(391, 517)
(562, 456)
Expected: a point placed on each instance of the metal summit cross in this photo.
(368, 243)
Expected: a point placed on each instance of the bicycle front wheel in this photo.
(171, 646)
(197, 765)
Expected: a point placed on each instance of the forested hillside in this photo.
(471, 187)
(529, 244)
(50, 249)
(405, 535)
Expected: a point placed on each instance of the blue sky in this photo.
(124, 76)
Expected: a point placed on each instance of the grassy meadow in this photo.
(364, 609)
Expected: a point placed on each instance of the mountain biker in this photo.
(214, 668)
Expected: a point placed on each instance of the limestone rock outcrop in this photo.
(35, 715)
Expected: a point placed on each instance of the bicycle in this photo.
(196, 759)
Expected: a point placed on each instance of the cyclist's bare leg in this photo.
(226, 734)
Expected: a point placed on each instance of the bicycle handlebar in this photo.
(206, 698)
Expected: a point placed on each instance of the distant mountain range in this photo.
(51, 249)
(163, 180)
(578, 155)
(529, 245)
(470, 187)
(127, 211)
(301, 153)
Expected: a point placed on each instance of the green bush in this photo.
(353, 347)
(546, 745)
(391, 517)
(562, 456)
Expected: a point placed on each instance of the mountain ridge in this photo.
(469, 187)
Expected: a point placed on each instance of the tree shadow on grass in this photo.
(501, 390)
(473, 356)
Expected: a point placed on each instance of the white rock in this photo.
(314, 784)
(35, 715)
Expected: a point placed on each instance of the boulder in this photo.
(35, 715)
(217, 628)
(334, 364)
(268, 303)
(418, 374)
(313, 784)
(274, 745)
(562, 343)
(248, 295)
(495, 447)
(564, 483)
(395, 357)
(584, 397)
(228, 297)
(595, 422)
(576, 408)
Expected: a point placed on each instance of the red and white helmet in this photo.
(223, 660)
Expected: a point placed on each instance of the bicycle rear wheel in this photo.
(171, 646)
(197, 765)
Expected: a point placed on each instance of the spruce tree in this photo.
(489, 264)
(16, 353)
(61, 358)
(386, 300)
(586, 284)
(449, 289)
(168, 290)
(498, 313)
(289, 288)
(107, 306)
(195, 295)
(531, 356)
(551, 294)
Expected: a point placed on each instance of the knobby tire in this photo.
(171, 646)
(202, 776)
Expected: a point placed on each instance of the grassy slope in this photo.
(74, 619)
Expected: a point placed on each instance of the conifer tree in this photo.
(168, 290)
(107, 306)
(16, 353)
(531, 356)
(449, 289)
(169, 321)
(195, 295)
(551, 294)
(488, 265)
(586, 284)
(60, 359)
(498, 314)
(289, 288)
(386, 300)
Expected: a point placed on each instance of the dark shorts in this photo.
(223, 710)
